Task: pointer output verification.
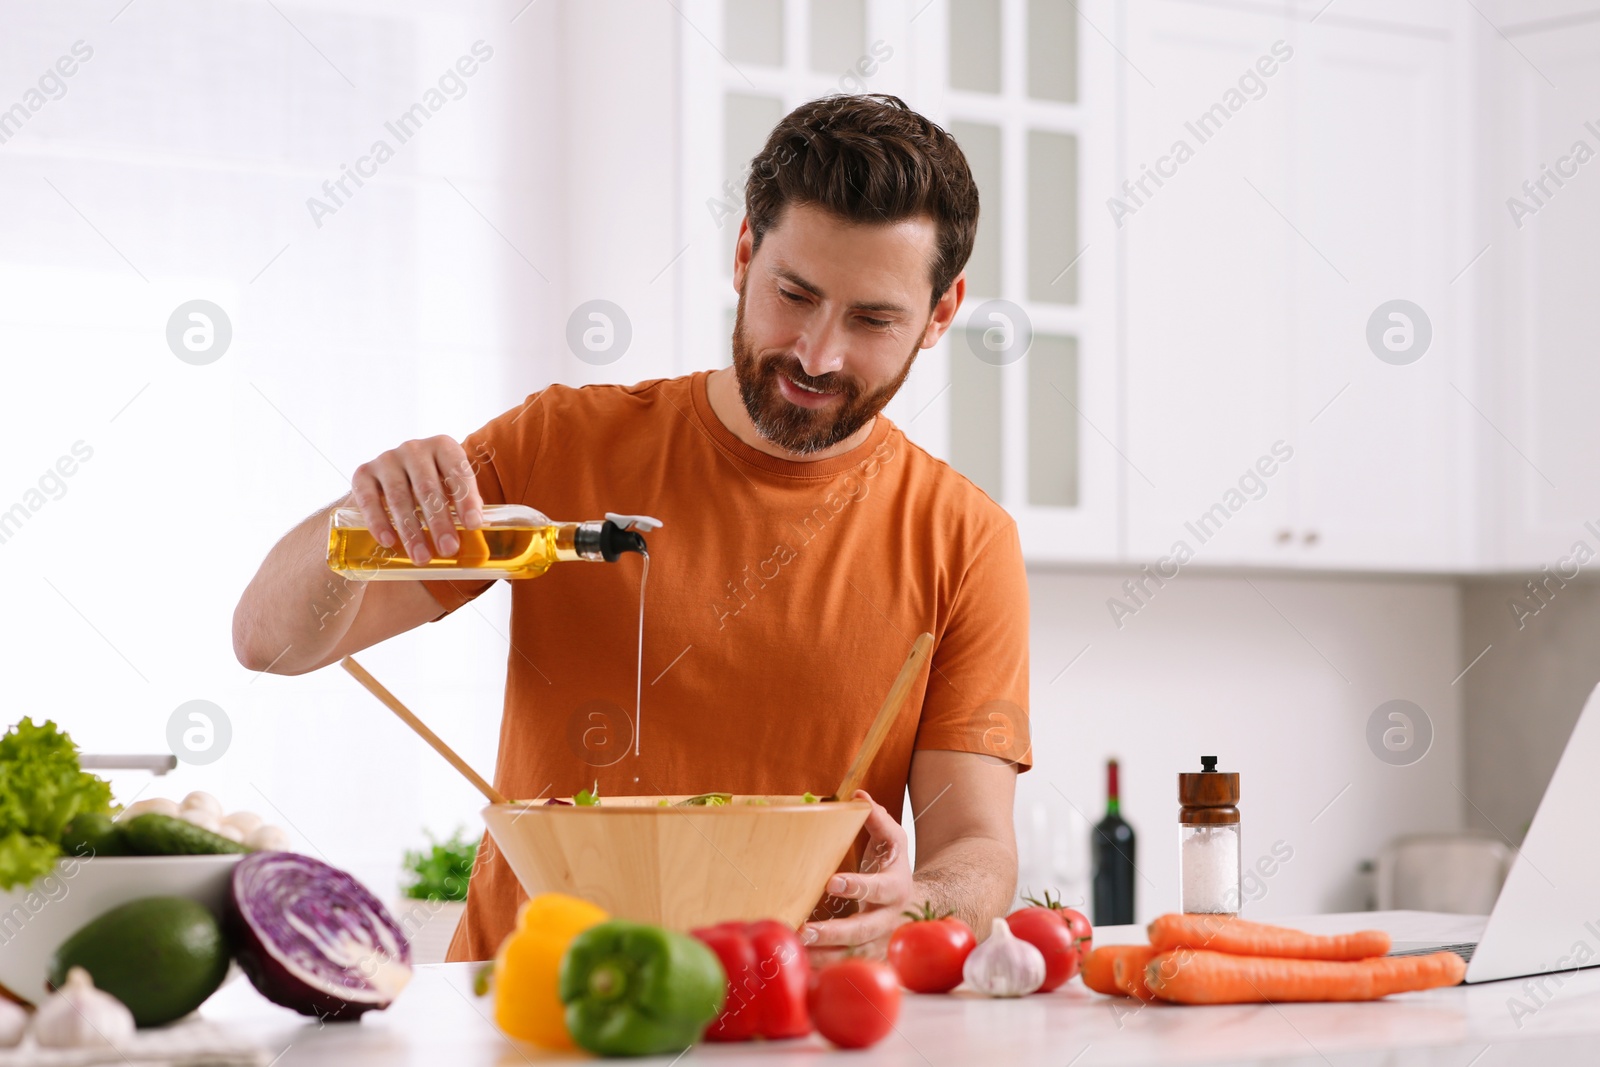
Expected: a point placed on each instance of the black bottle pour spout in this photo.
(608, 540)
(614, 541)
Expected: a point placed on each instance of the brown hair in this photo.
(868, 159)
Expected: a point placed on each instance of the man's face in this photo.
(831, 315)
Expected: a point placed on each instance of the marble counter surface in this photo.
(438, 1021)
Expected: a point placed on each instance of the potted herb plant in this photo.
(434, 894)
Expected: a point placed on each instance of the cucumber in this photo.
(161, 956)
(92, 835)
(153, 834)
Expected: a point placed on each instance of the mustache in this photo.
(790, 368)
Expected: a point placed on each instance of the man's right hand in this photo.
(296, 615)
(432, 477)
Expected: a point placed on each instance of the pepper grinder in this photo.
(1208, 840)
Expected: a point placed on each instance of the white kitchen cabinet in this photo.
(1539, 437)
(1029, 92)
(1206, 286)
(1030, 97)
(1378, 183)
(1231, 192)
(1315, 193)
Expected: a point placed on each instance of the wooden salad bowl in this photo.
(681, 867)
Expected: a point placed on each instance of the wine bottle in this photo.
(1113, 859)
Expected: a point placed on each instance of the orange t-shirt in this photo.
(783, 598)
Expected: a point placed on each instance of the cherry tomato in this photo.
(1045, 930)
(928, 952)
(854, 1002)
(1082, 932)
(1082, 935)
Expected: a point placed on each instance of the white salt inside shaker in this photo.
(1208, 840)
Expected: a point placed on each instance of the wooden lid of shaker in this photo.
(1209, 798)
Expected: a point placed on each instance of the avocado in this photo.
(93, 835)
(153, 834)
(160, 956)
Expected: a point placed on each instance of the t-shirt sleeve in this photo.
(977, 695)
(502, 453)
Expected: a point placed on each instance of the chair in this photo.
(1458, 873)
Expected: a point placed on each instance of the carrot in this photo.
(1240, 937)
(1190, 976)
(1097, 966)
(1128, 971)
(1097, 969)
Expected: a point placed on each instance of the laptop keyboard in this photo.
(1464, 950)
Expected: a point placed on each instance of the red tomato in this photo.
(1046, 930)
(855, 1002)
(928, 952)
(1082, 932)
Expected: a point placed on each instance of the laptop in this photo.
(1547, 917)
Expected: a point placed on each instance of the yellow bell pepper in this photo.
(527, 1005)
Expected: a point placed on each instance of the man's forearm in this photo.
(973, 877)
(295, 610)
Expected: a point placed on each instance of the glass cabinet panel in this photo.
(980, 143)
(975, 45)
(752, 31)
(838, 35)
(1053, 50)
(747, 121)
(1052, 216)
(975, 388)
(1053, 421)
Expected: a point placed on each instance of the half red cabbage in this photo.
(312, 938)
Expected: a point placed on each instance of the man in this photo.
(806, 542)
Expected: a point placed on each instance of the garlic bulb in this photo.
(1004, 965)
(13, 1021)
(79, 1016)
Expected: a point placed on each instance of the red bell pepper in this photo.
(767, 977)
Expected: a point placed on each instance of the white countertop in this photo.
(437, 1020)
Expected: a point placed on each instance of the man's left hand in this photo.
(882, 890)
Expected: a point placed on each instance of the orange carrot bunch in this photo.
(1222, 959)
(1240, 937)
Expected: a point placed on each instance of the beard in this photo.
(794, 428)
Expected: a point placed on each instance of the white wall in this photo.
(1522, 698)
(184, 151)
(1277, 676)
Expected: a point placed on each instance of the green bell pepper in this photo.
(637, 990)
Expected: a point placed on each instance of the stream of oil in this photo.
(638, 680)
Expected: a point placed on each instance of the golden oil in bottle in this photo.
(513, 542)
(491, 551)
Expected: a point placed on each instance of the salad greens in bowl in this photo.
(680, 861)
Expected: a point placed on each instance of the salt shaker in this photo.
(1208, 840)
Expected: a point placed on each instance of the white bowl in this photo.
(35, 919)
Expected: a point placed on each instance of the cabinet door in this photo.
(1022, 396)
(1208, 340)
(1376, 187)
(1542, 166)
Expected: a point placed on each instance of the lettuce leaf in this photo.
(24, 858)
(42, 789)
